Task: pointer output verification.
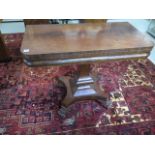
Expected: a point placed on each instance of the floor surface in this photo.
(30, 98)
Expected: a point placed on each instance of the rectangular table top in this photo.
(60, 44)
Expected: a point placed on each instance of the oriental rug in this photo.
(30, 98)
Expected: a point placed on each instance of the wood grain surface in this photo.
(76, 41)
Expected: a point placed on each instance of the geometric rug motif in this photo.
(30, 98)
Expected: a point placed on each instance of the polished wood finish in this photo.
(64, 44)
(36, 21)
(83, 43)
(83, 87)
(4, 57)
(93, 21)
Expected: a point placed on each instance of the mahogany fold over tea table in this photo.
(82, 44)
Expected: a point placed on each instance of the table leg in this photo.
(83, 87)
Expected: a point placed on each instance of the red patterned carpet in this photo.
(30, 97)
